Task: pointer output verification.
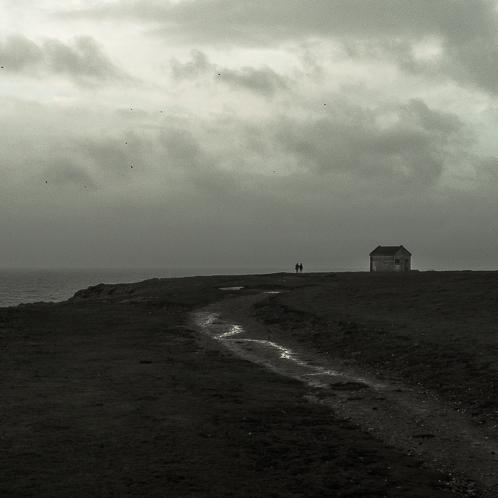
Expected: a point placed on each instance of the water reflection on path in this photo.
(273, 355)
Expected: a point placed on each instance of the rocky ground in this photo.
(113, 393)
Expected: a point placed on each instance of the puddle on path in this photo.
(273, 355)
(416, 422)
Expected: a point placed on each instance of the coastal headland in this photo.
(122, 391)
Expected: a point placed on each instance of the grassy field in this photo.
(112, 394)
(434, 330)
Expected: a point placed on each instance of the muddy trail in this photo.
(412, 420)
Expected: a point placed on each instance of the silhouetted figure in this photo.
(300, 267)
(297, 267)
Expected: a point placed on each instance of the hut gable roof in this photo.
(389, 251)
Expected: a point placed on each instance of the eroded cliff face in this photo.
(106, 292)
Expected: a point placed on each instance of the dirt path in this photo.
(415, 422)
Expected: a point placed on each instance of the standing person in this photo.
(297, 267)
(301, 267)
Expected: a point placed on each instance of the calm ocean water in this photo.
(28, 286)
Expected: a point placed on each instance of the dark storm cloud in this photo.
(467, 30)
(259, 21)
(407, 145)
(111, 155)
(443, 123)
(182, 150)
(262, 216)
(64, 172)
(384, 147)
(395, 50)
(263, 81)
(173, 155)
(18, 53)
(196, 197)
(83, 60)
(487, 169)
(411, 150)
(187, 159)
(469, 61)
(199, 65)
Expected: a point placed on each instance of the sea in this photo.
(34, 285)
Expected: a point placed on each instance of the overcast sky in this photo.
(248, 133)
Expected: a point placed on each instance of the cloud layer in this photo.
(465, 32)
(248, 133)
(263, 80)
(82, 60)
